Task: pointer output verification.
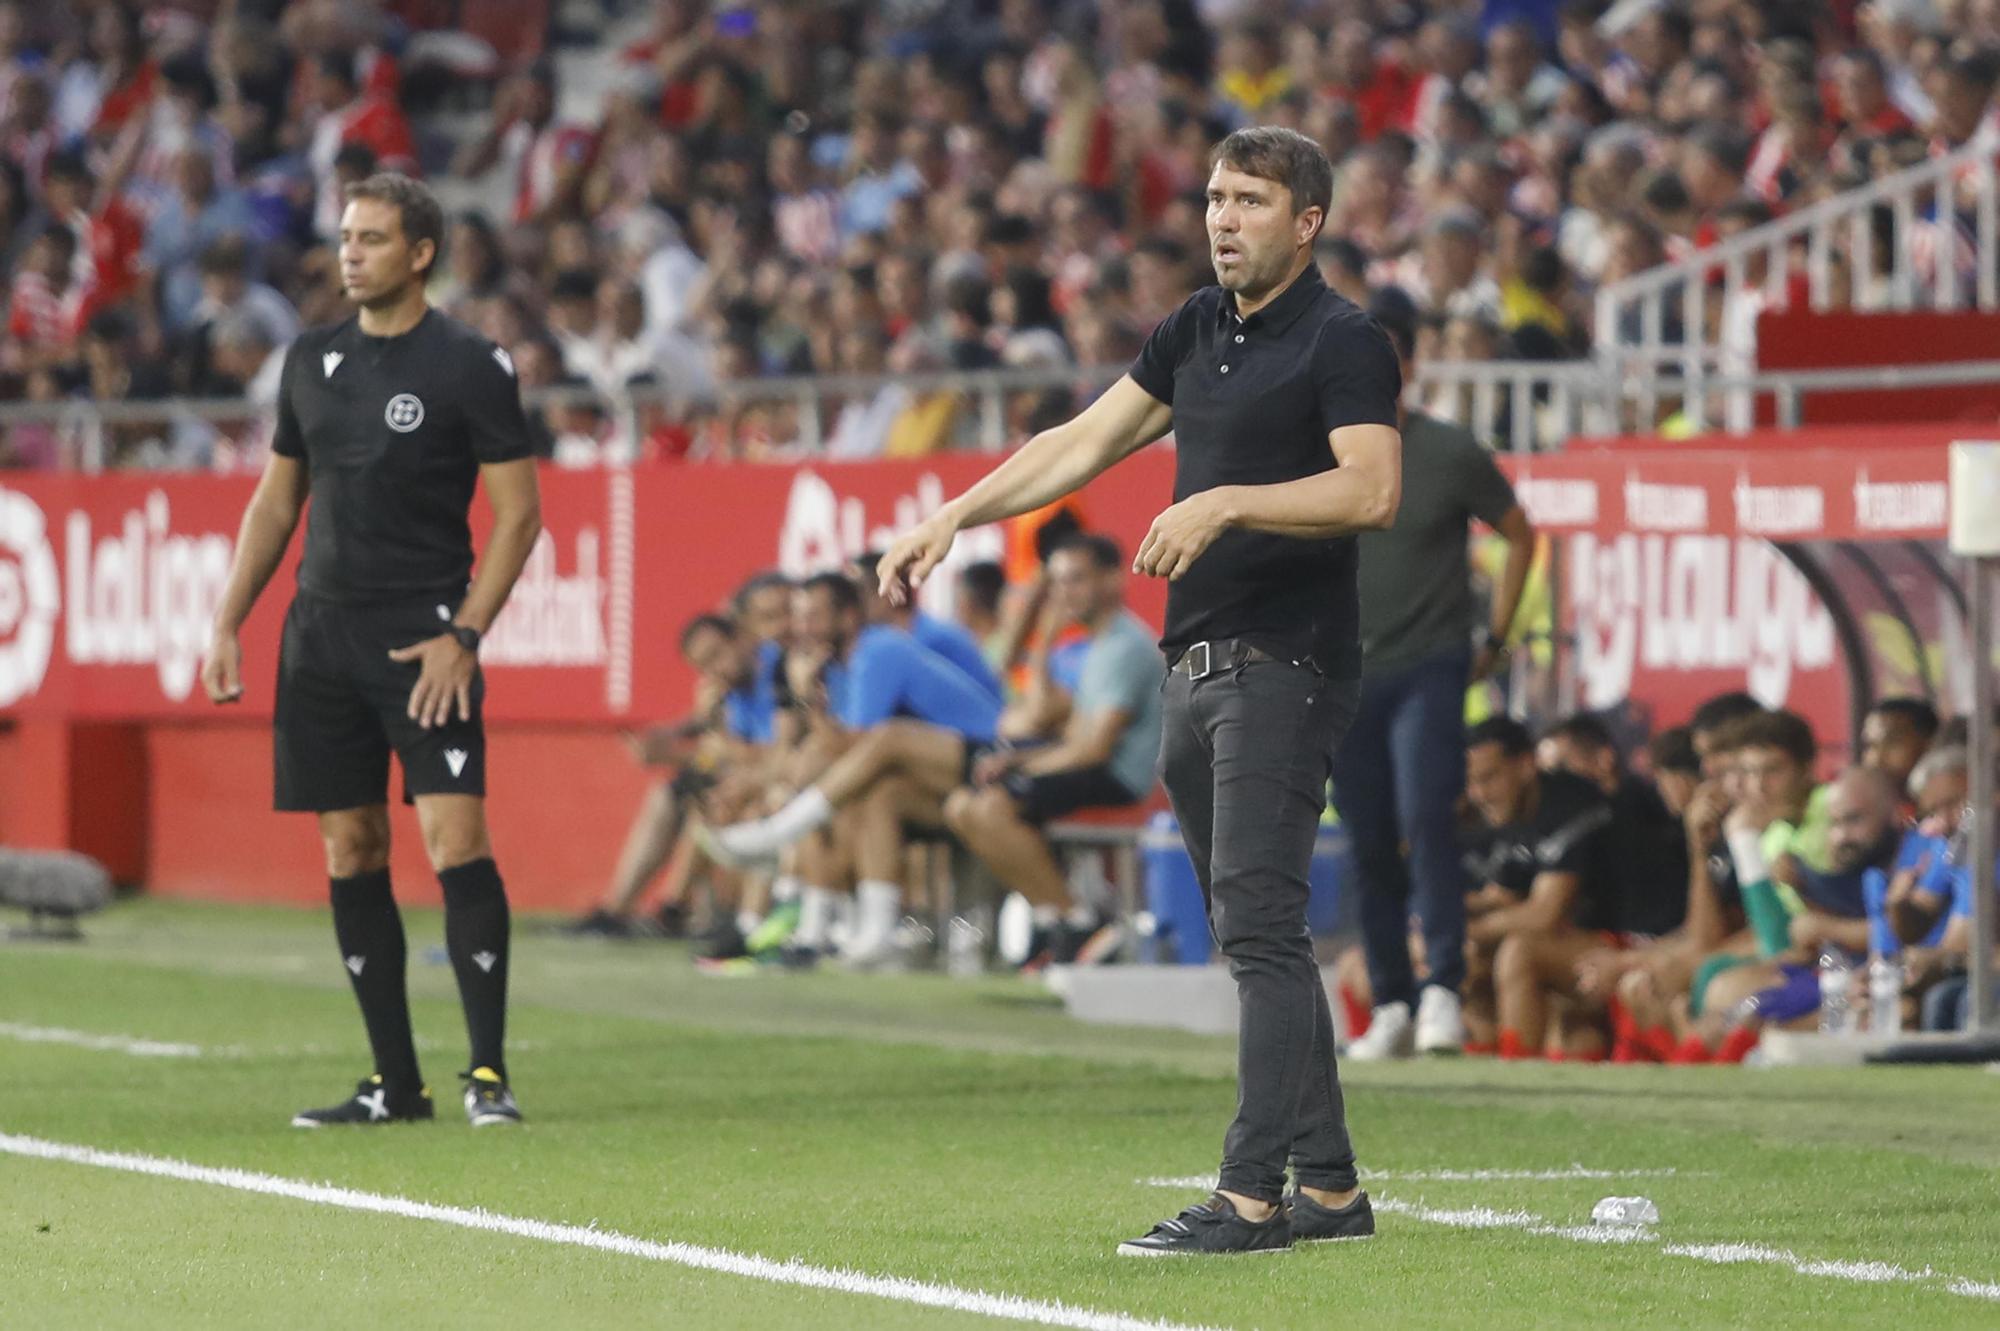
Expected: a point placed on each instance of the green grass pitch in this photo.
(959, 1133)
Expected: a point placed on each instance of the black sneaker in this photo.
(1212, 1227)
(487, 1099)
(1313, 1223)
(601, 924)
(371, 1103)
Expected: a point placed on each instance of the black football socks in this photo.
(369, 929)
(476, 923)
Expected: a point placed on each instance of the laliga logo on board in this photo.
(144, 595)
(823, 530)
(30, 597)
(553, 619)
(1692, 603)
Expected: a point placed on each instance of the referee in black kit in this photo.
(387, 422)
(1282, 398)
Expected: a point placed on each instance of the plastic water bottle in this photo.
(965, 948)
(1625, 1211)
(1836, 993)
(1885, 996)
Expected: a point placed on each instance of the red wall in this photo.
(1803, 340)
(559, 802)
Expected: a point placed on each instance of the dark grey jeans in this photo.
(1245, 755)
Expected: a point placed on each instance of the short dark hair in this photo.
(1915, 713)
(1283, 156)
(718, 623)
(228, 255)
(755, 583)
(336, 65)
(1512, 737)
(1392, 308)
(1666, 192)
(1341, 250)
(420, 214)
(1585, 728)
(1722, 709)
(842, 590)
(1750, 212)
(1672, 750)
(67, 164)
(866, 563)
(984, 583)
(1729, 146)
(1095, 546)
(1788, 732)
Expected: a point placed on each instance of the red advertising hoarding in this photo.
(1672, 590)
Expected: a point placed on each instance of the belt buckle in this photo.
(1199, 662)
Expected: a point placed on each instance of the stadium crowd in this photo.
(780, 187)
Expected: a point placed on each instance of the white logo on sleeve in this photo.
(376, 1102)
(331, 362)
(355, 964)
(455, 760)
(404, 413)
(484, 960)
(505, 361)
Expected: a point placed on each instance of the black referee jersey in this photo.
(393, 431)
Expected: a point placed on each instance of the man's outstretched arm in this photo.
(1052, 464)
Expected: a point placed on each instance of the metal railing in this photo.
(1519, 406)
(1688, 317)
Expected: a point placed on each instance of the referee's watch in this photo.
(468, 637)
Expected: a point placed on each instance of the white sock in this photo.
(879, 906)
(786, 887)
(747, 922)
(808, 809)
(815, 913)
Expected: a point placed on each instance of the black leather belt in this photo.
(1203, 659)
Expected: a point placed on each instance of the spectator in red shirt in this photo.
(1382, 92)
(347, 115)
(107, 229)
(45, 302)
(546, 159)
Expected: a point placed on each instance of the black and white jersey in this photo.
(1568, 832)
(393, 431)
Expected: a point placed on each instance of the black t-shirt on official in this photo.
(1568, 832)
(1254, 401)
(393, 431)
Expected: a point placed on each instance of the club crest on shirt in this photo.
(404, 413)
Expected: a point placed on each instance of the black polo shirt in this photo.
(393, 431)
(1254, 401)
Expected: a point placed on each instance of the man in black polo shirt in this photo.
(388, 422)
(1282, 398)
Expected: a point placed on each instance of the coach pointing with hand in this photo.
(1282, 398)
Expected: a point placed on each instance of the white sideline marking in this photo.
(1485, 1217)
(139, 1047)
(116, 1044)
(1449, 1176)
(793, 1272)
(1866, 1272)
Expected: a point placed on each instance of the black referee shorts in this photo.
(342, 706)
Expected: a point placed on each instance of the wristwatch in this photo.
(468, 637)
(1495, 643)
